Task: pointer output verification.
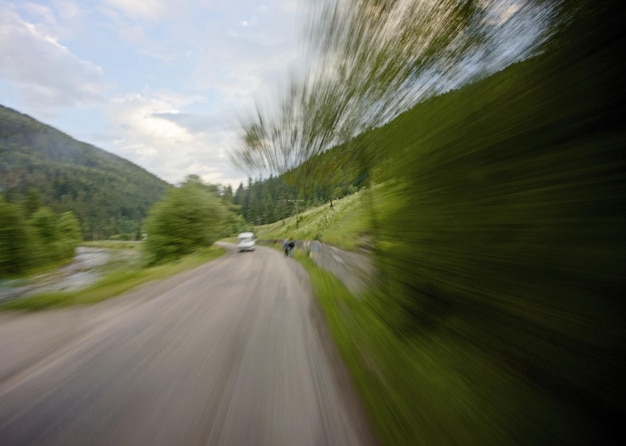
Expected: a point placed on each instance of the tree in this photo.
(45, 224)
(239, 193)
(69, 234)
(187, 218)
(14, 240)
(32, 202)
(227, 194)
(69, 228)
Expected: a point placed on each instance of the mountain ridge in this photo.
(108, 194)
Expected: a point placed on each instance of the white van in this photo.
(246, 241)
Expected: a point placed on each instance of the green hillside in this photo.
(498, 317)
(108, 194)
(497, 313)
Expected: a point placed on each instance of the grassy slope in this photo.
(343, 223)
(347, 225)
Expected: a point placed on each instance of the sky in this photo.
(161, 83)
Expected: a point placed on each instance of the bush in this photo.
(188, 218)
(41, 241)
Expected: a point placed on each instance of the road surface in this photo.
(232, 353)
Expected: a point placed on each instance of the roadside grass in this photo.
(114, 283)
(413, 387)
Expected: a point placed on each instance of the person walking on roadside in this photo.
(291, 246)
(286, 247)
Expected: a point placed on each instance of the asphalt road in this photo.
(232, 353)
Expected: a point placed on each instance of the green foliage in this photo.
(40, 166)
(187, 218)
(507, 242)
(69, 230)
(233, 222)
(265, 201)
(273, 199)
(42, 240)
(45, 224)
(14, 240)
(32, 202)
(434, 389)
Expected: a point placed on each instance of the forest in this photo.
(268, 200)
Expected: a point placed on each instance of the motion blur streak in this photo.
(370, 60)
(497, 210)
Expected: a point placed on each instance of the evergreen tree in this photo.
(238, 197)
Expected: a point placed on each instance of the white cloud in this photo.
(158, 135)
(44, 13)
(140, 114)
(44, 71)
(242, 67)
(150, 9)
(68, 10)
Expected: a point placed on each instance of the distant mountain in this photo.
(108, 194)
